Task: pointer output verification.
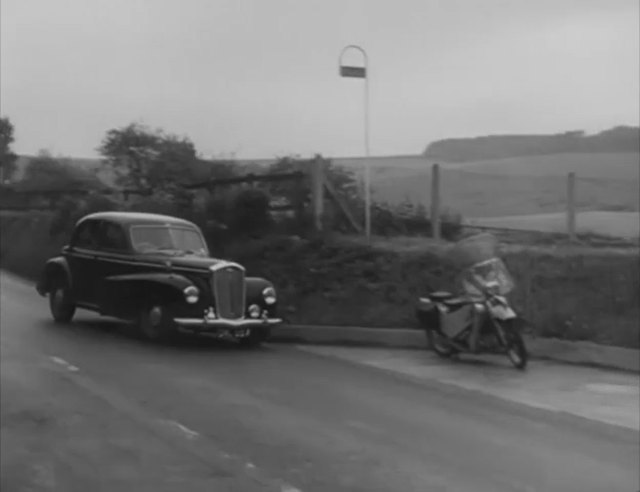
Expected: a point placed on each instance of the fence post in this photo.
(571, 206)
(317, 192)
(435, 201)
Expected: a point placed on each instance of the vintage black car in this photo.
(156, 270)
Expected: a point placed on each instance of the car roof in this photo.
(136, 218)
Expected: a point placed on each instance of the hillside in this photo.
(614, 166)
(618, 139)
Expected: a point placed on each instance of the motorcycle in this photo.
(480, 319)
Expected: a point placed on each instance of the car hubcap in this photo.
(155, 316)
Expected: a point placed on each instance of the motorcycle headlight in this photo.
(492, 288)
(191, 294)
(269, 295)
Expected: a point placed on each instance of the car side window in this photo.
(86, 236)
(112, 237)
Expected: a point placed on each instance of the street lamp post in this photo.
(362, 73)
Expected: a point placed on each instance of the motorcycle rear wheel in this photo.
(439, 345)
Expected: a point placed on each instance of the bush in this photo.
(407, 219)
(70, 210)
(26, 243)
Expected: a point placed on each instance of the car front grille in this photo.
(229, 292)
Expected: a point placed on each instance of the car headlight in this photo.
(191, 294)
(269, 295)
(254, 311)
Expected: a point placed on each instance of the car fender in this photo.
(121, 288)
(58, 266)
(172, 280)
(255, 286)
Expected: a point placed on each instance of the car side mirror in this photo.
(66, 249)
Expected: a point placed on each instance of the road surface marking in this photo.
(290, 488)
(612, 388)
(64, 364)
(189, 434)
(251, 466)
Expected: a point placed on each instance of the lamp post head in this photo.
(350, 70)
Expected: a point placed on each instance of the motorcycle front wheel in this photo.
(515, 347)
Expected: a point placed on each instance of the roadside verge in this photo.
(582, 353)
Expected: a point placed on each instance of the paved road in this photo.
(86, 408)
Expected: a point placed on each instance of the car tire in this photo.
(155, 323)
(61, 303)
(255, 339)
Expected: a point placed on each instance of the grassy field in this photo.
(516, 187)
(614, 224)
(616, 166)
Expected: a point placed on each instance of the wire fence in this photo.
(562, 203)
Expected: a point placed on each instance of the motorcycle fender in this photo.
(424, 304)
(502, 312)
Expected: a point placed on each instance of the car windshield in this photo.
(168, 240)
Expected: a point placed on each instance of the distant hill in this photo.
(618, 139)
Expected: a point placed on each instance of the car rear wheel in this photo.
(61, 302)
(155, 323)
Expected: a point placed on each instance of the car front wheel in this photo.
(61, 302)
(155, 323)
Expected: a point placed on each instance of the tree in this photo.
(7, 157)
(142, 158)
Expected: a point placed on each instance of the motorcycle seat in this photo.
(440, 296)
(456, 301)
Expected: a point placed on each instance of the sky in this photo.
(259, 78)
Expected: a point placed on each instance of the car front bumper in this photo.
(240, 327)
